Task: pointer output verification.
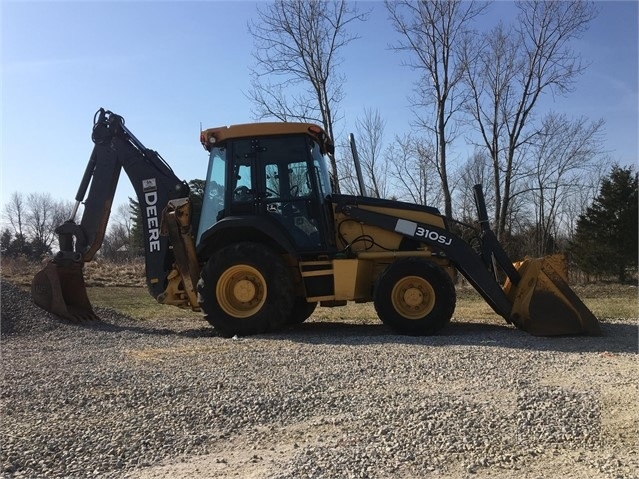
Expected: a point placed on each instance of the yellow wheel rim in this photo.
(413, 297)
(241, 291)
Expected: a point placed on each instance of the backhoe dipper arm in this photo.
(155, 185)
(456, 249)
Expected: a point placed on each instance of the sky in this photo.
(169, 67)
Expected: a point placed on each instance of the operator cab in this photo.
(276, 171)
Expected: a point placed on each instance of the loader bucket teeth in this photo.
(544, 304)
(60, 289)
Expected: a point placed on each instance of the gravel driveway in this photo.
(137, 399)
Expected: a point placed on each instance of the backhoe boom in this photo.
(158, 190)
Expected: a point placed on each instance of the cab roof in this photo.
(214, 136)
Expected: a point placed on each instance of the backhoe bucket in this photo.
(60, 289)
(544, 304)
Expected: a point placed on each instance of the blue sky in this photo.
(168, 67)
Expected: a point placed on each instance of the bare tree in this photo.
(514, 68)
(40, 221)
(297, 44)
(122, 218)
(34, 218)
(490, 74)
(412, 166)
(433, 33)
(475, 171)
(581, 198)
(370, 135)
(117, 239)
(566, 155)
(115, 245)
(14, 212)
(348, 181)
(43, 216)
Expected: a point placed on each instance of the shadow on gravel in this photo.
(616, 337)
(136, 327)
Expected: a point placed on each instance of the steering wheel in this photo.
(289, 209)
(242, 193)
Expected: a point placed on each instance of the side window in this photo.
(272, 181)
(299, 181)
(242, 174)
(287, 180)
(243, 184)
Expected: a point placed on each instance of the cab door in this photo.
(289, 194)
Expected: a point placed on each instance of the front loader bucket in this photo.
(544, 304)
(60, 289)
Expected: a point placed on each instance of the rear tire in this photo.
(301, 311)
(415, 297)
(245, 289)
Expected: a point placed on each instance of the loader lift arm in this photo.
(534, 297)
(164, 210)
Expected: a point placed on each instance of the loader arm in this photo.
(164, 211)
(535, 296)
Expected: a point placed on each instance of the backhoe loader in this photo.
(273, 241)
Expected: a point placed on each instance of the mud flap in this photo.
(544, 304)
(60, 289)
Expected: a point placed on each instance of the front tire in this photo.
(415, 297)
(245, 289)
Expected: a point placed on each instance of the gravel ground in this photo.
(135, 399)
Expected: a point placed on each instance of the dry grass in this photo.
(96, 273)
(104, 273)
(18, 270)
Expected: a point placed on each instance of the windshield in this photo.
(320, 163)
(213, 201)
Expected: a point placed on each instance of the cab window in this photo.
(213, 202)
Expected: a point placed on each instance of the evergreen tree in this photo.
(15, 246)
(39, 249)
(606, 241)
(5, 242)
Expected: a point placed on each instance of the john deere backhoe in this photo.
(273, 241)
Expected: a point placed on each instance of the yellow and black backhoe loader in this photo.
(273, 241)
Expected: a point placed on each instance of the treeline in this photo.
(29, 222)
(603, 244)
